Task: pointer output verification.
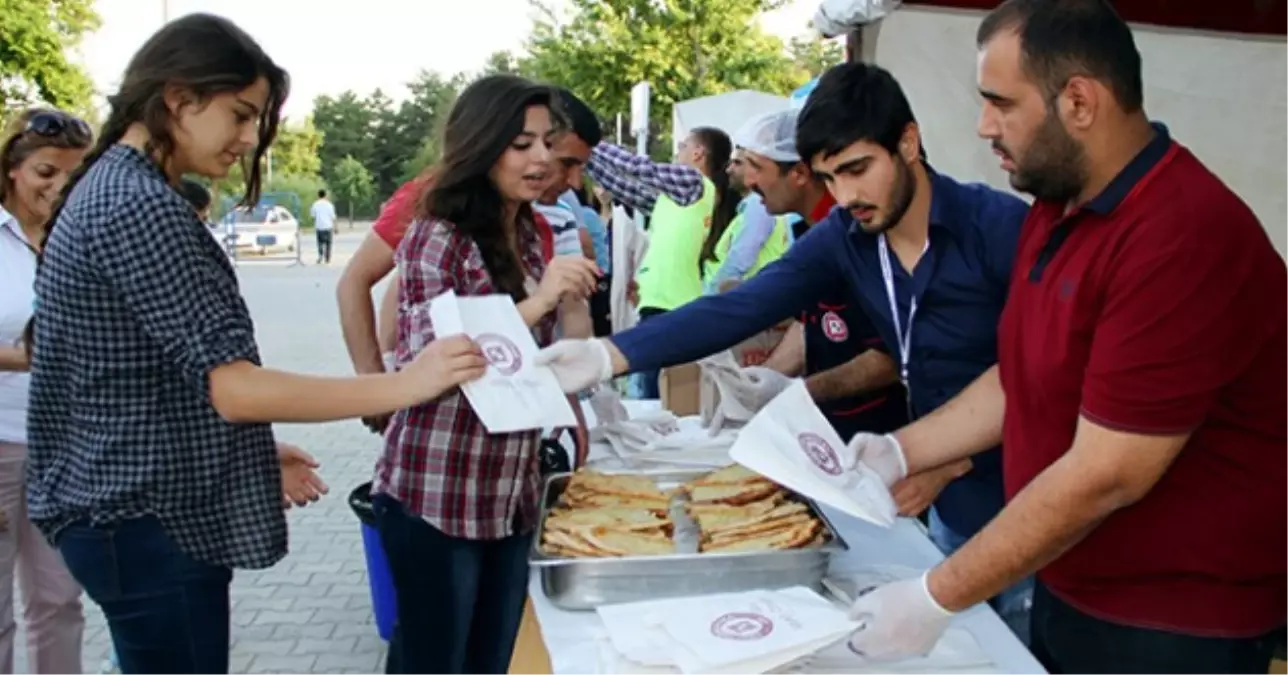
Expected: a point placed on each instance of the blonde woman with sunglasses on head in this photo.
(41, 148)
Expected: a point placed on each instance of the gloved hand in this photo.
(607, 405)
(761, 386)
(578, 364)
(900, 620)
(879, 452)
(742, 391)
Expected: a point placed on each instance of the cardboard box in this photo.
(679, 387)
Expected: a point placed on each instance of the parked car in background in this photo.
(263, 229)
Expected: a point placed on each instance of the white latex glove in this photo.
(578, 364)
(750, 390)
(900, 620)
(743, 393)
(879, 452)
(607, 405)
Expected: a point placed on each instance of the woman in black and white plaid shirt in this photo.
(152, 464)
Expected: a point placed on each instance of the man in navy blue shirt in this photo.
(928, 259)
(848, 370)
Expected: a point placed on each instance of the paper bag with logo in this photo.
(792, 443)
(514, 394)
(755, 631)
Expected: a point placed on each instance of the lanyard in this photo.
(904, 337)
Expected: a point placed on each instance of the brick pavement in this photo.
(311, 613)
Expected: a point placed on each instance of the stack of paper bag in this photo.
(513, 394)
(751, 632)
(791, 443)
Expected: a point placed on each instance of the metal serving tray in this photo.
(586, 583)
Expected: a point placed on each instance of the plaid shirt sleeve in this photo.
(182, 297)
(638, 180)
(426, 273)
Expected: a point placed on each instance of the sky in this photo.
(362, 45)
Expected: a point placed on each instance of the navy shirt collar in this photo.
(1133, 173)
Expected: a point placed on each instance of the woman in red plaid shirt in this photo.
(455, 505)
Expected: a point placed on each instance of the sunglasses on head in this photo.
(52, 123)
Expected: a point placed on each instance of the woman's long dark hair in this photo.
(205, 55)
(719, 150)
(484, 121)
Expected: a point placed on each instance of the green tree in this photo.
(35, 36)
(815, 55)
(684, 48)
(506, 63)
(421, 118)
(297, 150)
(352, 184)
(346, 122)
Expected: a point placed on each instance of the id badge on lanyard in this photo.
(902, 334)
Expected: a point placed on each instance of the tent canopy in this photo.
(725, 112)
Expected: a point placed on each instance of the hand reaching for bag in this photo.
(442, 365)
(567, 275)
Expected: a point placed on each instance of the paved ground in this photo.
(312, 612)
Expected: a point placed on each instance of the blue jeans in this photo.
(1012, 604)
(167, 612)
(460, 601)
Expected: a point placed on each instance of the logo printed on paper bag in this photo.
(742, 626)
(834, 327)
(820, 452)
(500, 353)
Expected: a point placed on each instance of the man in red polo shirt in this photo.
(1140, 392)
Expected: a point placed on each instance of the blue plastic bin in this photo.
(384, 603)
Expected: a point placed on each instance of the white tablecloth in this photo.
(570, 637)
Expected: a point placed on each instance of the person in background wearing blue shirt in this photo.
(745, 249)
(928, 258)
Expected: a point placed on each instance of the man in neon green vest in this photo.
(689, 205)
(754, 239)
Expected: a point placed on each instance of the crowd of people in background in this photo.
(1083, 397)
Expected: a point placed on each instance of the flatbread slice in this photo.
(573, 544)
(748, 510)
(783, 539)
(615, 484)
(761, 529)
(732, 494)
(613, 517)
(781, 511)
(621, 543)
(734, 474)
(588, 500)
